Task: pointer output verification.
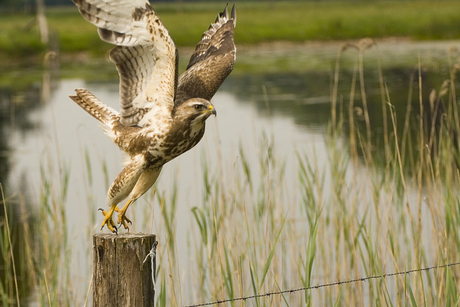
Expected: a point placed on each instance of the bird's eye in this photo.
(198, 107)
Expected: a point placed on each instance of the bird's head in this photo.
(195, 110)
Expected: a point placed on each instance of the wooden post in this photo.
(120, 276)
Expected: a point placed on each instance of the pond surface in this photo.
(276, 92)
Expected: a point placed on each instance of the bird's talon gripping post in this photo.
(108, 220)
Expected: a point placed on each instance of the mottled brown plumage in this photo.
(161, 115)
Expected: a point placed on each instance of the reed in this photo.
(260, 227)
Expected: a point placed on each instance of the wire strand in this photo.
(244, 298)
(152, 254)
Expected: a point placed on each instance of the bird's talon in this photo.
(126, 220)
(108, 220)
(104, 213)
(124, 224)
(122, 219)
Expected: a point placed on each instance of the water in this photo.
(282, 92)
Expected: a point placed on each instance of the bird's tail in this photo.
(96, 108)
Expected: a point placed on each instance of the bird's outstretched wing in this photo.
(145, 56)
(211, 62)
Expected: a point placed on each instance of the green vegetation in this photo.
(40, 267)
(257, 22)
(250, 235)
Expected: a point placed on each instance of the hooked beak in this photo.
(212, 110)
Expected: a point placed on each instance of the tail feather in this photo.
(99, 110)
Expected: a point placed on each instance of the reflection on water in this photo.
(292, 107)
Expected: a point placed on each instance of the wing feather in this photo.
(145, 57)
(211, 62)
(115, 20)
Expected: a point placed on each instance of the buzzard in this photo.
(162, 115)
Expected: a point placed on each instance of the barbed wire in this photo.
(337, 283)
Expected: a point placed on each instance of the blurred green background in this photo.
(258, 22)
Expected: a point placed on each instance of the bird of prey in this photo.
(162, 115)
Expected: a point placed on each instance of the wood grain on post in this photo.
(120, 276)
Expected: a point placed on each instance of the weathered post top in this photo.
(120, 276)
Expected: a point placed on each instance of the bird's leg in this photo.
(145, 181)
(124, 184)
(122, 219)
(108, 219)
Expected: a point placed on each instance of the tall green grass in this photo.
(37, 237)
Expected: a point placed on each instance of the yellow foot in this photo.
(108, 220)
(122, 219)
